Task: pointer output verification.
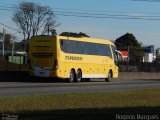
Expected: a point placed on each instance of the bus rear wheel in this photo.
(72, 76)
(79, 76)
(109, 78)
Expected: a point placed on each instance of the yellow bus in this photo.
(72, 58)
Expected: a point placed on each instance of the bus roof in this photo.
(85, 39)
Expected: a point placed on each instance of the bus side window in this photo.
(109, 51)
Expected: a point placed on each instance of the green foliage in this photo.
(7, 42)
(34, 19)
(73, 101)
(129, 42)
(70, 34)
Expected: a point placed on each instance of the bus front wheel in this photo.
(109, 78)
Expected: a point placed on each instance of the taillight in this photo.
(29, 62)
(55, 67)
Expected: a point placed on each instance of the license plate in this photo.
(42, 73)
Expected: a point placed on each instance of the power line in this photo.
(5, 9)
(98, 12)
(11, 8)
(9, 27)
(116, 17)
(105, 11)
(147, 0)
(112, 15)
(99, 15)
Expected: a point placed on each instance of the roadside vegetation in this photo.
(82, 105)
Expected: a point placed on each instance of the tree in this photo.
(83, 34)
(33, 18)
(7, 41)
(129, 43)
(70, 34)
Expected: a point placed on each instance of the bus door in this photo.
(116, 60)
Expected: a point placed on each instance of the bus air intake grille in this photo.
(42, 55)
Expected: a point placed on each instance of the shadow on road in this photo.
(23, 76)
(92, 114)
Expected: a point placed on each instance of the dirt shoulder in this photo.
(139, 75)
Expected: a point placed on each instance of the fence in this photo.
(19, 63)
(13, 63)
(139, 67)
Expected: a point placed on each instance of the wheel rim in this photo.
(79, 75)
(109, 76)
(72, 76)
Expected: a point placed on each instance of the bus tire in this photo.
(109, 78)
(72, 76)
(79, 75)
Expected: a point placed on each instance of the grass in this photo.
(78, 105)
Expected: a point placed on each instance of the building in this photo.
(149, 53)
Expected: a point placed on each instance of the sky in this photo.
(106, 19)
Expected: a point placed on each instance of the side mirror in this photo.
(119, 56)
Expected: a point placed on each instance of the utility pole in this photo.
(13, 38)
(128, 53)
(48, 28)
(12, 45)
(3, 42)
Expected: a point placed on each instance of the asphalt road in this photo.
(13, 89)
